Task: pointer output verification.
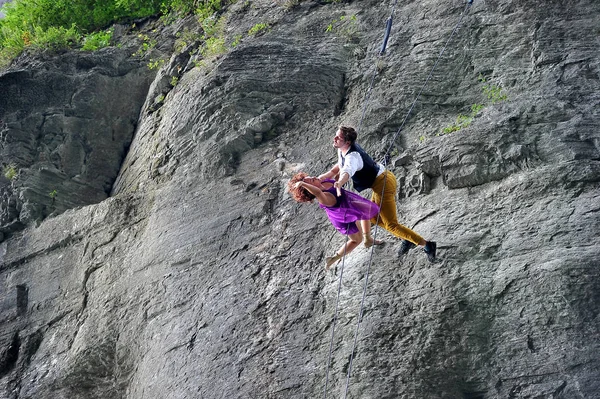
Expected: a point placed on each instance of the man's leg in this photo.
(388, 218)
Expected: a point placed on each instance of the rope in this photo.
(365, 106)
(362, 301)
(428, 77)
(361, 310)
(337, 302)
(388, 29)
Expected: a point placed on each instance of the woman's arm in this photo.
(332, 173)
(323, 197)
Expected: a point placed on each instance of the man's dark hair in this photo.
(348, 133)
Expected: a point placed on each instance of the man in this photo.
(354, 163)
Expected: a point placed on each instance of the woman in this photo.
(349, 213)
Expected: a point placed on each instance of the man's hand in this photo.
(338, 188)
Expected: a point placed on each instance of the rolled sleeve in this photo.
(353, 163)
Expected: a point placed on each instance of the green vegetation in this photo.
(236, 40)
(258, 28)
(493, 94)
(155, 64)
(52, 194)
(345, 27)
(185, 38)
(97, 40)
(147, 45)
(10, 172)
(55, 24)
(463, 121)
(213, 46)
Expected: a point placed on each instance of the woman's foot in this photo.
(330, 260)
(369, 242)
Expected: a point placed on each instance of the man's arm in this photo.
(342, 180)
(351, 166)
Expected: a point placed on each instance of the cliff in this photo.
(150, 250)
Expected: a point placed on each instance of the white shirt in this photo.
(353, 163)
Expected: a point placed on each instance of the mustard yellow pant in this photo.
(388, 218)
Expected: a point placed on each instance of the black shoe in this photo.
(429, 249)
(405, 246)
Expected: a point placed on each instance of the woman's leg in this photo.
(352, 242)
(365, 227)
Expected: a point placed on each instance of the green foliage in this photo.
(345, 27)
(258, 28)
(174, 81)
(213, 26)
(236, 40)
(155, 64)
(493, 94)
(475, 108)
(214, 39)
(10, 172)
(185, 38)
(43, 24)
(54, 38)
(207, 9)
(213, 46)
(97, 40)
(52, 194)
(147, 45)
(462, 121)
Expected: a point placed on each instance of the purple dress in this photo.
(349, 208)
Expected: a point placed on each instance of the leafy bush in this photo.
(97, 40)
(10, 172)
(213, 46)
(60, 23)
(54, 37)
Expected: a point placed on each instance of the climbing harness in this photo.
(384, 161)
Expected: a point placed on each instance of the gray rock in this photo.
(66, 126)
(200, 277)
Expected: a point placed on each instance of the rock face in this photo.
(65, 127)
(199, 277)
